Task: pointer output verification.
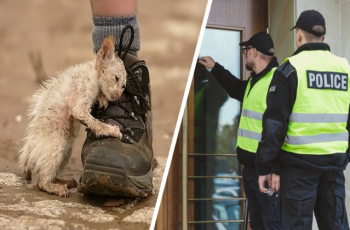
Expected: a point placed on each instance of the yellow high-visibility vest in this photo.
(253, 107)
(318, 121)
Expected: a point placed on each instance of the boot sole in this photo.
(111, 181)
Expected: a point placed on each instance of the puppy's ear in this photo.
(107, 48)
(106, 51)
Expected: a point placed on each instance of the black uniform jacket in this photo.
(280, 104)
(235, 88)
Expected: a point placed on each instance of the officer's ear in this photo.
(322, 38)
(298, 37)
(255, 52)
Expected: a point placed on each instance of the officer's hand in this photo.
(261, 182)
(275, 182)
(207, 61)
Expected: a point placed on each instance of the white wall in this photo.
(281, 20)
(345, 28)
(330, 9)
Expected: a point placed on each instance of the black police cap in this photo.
(262, 42)
(308, 19)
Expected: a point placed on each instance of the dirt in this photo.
(60, 32)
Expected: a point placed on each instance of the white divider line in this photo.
(179, 119)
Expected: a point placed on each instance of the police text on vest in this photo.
(327, 80)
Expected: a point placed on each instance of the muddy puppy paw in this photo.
(61, 190)
(102, 102)
(71, 183)
(115, 132)
(57, 189)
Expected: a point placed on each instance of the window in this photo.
(215, 171)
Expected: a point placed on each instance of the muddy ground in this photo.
(60, 30)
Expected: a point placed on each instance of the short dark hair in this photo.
(313, 38)
(264, 56)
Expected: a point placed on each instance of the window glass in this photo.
(216, 118)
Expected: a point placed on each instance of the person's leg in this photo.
(270, 210)
(330, 211)
(112, 166)
(110, 17)
(264, 210)
(113, 8)
(249, 181)
(298, 197)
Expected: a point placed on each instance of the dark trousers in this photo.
(304, 192)
(264, 210)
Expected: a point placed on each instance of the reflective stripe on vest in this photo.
(319, 118)
(252, 114)
(303, 140)
(249, 134)
(254, 105)
(318, 121)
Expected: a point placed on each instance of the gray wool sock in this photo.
(105, 26)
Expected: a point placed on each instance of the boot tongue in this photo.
(113, 114)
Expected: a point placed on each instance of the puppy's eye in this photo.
(116, 78)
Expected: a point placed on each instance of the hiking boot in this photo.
(123, 167)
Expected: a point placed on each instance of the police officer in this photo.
(306, 129)
(259, 53)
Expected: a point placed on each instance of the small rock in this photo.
(166, 136)
(18, 118)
